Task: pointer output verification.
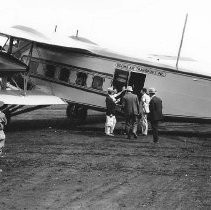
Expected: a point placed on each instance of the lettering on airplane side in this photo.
(144, 69)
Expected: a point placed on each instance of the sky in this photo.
(132, 27)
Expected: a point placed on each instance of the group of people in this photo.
(136, 111)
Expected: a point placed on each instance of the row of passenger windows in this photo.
(70, 75)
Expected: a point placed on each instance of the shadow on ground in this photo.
(96, 124)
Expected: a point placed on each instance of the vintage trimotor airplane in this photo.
(77, 72)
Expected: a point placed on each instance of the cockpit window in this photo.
(15, 43)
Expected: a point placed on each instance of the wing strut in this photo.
(29, 109)
(26, 75)
(180, 47)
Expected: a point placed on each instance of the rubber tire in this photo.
(76, 113)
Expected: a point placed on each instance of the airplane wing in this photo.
(170, 57)
(53, 39)
(34, 97)
(10, 65)
(86, 46)
(71, 42)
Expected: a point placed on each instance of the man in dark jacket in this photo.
(155, 114)
(130, 104)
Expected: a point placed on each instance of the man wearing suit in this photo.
(130, 104)
(155, 114)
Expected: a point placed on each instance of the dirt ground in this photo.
(49, 165)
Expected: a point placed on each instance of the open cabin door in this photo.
(129, 78)
(120, 79)
(137, 80)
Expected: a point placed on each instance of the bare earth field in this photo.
(51, 165)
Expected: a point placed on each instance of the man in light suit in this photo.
(155, 114)
(130, 104)
(144, 106)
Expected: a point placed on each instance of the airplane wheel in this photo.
(76, 113)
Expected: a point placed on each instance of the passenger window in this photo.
(33, 67)
(64, 75)
(97, 82)
(81, 79)
(50, 70)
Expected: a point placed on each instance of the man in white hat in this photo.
(130, 104)
(155, 114)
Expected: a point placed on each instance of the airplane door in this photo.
(120, 79)
(137, 81)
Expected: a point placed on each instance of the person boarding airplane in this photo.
(130, 105)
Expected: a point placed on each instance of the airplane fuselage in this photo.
(83, 78)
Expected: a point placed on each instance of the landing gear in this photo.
(8, 116)
(76, 113)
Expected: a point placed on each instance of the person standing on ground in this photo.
(110, 113)
(144, 105)
(155, 114)
(130, 104)
(3, 122)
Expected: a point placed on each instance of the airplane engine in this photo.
(76, 113)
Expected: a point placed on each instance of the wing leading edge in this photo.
(32, 98)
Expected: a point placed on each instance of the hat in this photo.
(129, 88)
(110, 89)
(152, 90)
